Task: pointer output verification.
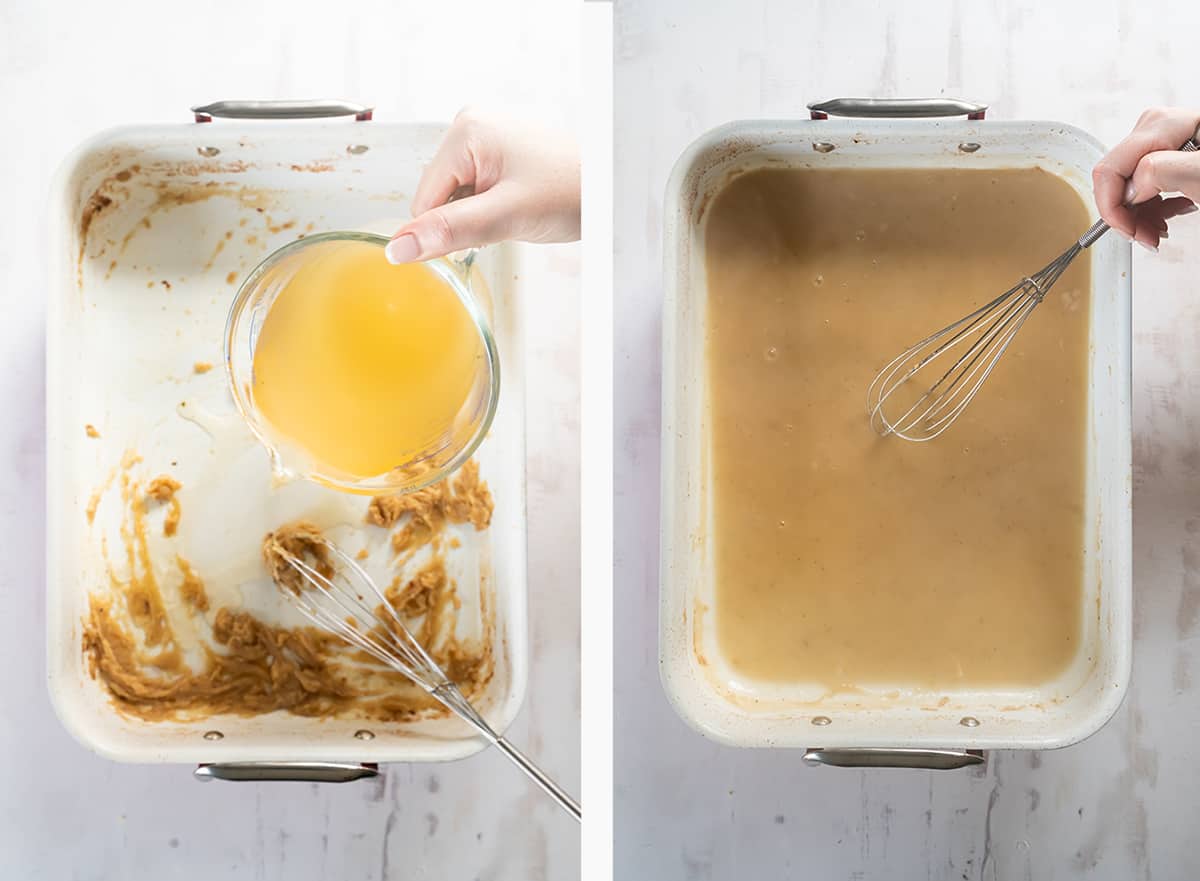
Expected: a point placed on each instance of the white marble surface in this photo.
(1124, 804)
(70, 69)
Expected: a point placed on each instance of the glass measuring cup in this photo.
(416, 468)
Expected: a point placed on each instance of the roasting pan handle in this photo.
(897, 108)
(281, 109)
(301, 772)
(866, 757)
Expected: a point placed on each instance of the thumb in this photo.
(1165, 171)
(464, 223)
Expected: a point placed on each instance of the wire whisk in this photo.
(334, 592)
(971, 347)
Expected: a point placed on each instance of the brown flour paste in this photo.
(250, 666)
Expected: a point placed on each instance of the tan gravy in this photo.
(851, 560)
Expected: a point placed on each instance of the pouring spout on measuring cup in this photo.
(281, 474)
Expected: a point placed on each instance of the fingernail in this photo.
(1130, 192)
(1190, 209)
(1150, 248)
(402, 249)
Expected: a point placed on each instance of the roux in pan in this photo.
(847, 559)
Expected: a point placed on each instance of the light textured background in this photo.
(68, 70)
(1124, 804)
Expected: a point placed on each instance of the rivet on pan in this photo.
(968, 722)
(208, 151)
(213, 735)
(823, 147)
(821, 721)
(364, 734)
(357, 149)
(968, 147)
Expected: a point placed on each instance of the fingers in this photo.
(1151, 218)
(491, 180)
(451, 169)
(1178, 206)
(455, 226)
(1158, 130)
(470, 158)
(1110, 180)
(1166, 171)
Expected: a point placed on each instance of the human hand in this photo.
(1128, 181)
(519, 183)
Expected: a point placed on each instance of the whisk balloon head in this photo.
(334, 592)
(330, 589)
(923, 390)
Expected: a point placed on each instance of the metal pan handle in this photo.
(301, 772)
(867, 757)
(281, 109)
(897, 108)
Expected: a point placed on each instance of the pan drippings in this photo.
(847, 559)
(138, 631)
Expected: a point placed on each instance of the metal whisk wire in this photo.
(987, 333)
(337, 604)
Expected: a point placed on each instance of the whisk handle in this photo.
(1095, 231)
(538, 776)
(451, 697)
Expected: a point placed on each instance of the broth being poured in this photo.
(362, 365)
